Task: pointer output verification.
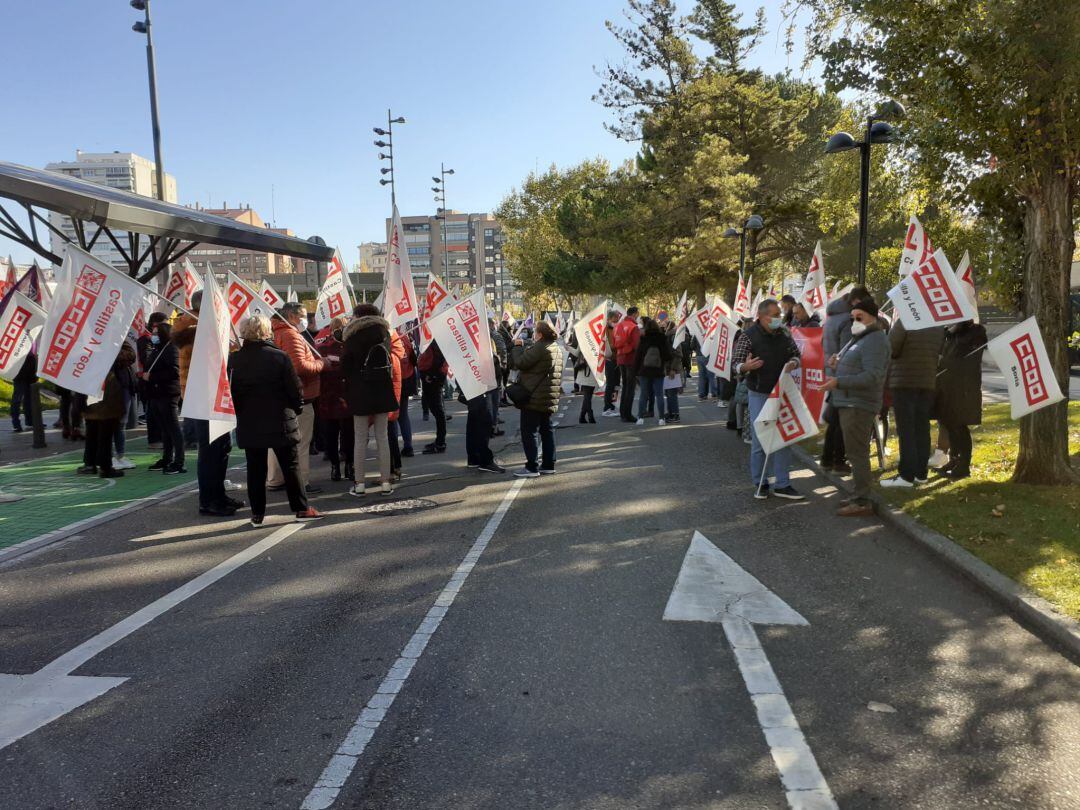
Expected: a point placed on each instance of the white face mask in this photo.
(302, 326)
(857, 328)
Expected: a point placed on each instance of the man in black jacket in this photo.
(763, 352)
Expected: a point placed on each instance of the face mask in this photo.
(857, 328)
(775, 324)
(302, 326)
(155, 339)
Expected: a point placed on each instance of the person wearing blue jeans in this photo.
(652, 391)
(763, 352)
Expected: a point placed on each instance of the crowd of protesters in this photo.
(299, 393)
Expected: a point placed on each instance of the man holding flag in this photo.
(764, 352)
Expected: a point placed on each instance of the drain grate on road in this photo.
(396, 507)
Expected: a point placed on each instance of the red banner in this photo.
(811, 372)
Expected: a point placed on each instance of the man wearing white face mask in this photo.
(763, 352)
(288, 337)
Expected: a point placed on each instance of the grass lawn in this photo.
(1030, 533)
(47, 401)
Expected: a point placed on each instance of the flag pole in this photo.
(764, 471)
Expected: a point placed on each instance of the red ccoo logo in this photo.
(1030, 372)
(12, 336)
(936, 292)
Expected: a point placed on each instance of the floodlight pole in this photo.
(151, 69)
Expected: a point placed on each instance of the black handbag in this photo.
(519, 394)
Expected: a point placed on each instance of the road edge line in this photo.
(346, 757)
(1031, 611)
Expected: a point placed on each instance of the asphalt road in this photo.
(553, 680)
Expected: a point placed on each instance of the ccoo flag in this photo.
(917, 248)
(334, 296)
(590, 332)
(20, 321)
(270, 295)
(93, 309)
(462, 333)
(784, 418)
(400, 304)
(183, 283)
(208, 395)
(966, 274)
(814, 290)
(436, 300)
(243, 301)
(1021, 355)
(742, 297)
(931, 296)
(720, 345)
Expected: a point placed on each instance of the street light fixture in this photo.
(878, 131)
(388, 145)
(440, 196)
(753, 223)
(143, 27)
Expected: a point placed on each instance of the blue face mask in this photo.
(155, 339)
(775, 324)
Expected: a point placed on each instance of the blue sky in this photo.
(282, 93)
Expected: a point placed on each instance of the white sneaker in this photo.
(358, 490)
(939, 459)
(663, 423)
(525, 472)
(121, 463)
(612, 412)
(722, 403)
(920, 480)
(897, 483)
(641, 421)
(385, 488)
(231, 487)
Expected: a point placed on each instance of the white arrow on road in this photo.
(28, 702)
(712, 587)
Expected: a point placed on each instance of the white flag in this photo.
(270, 296)
(183, 283)
(717, 310)
(291, 297)
(682, 315)
(757, 300)
(931, 296)
(334, 296)
(243, 301)
(1021, 355)
(720, 347)
(20, 322)
(966, 274)
(698, 324)
(400, 304)
(840, 292)
(93, 309)
(590, 332)
(208, 395)
(436, 300)
(814, 290)
(784, 418)
(461, 331)
(7, 280)
(917, 247)
(742, 298)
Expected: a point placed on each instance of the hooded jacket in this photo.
(915, 356)
(626, 338)
(369, 347)
(541, 373)
(837, 326)
(860, 371)
(183, 337)
(307, 364)
(266, 395)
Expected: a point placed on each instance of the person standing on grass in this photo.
(856, 386)
(764, 351)
(958, 404)
(541, 367)
(268, 399)
(650, 367)
(626, 337)
(163, 391)
(371, 365)
(913, 383)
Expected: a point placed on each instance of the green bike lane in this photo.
(53, 498)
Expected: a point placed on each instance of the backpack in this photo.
(653, 361)
(374, 371)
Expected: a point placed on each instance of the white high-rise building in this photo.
(123, 170)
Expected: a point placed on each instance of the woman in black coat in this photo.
(163, 399)
(653, 357)
(267, 397)
(958, 403)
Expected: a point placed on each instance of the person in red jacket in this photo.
(626, 338)
(289, 336)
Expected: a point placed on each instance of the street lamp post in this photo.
(143, 27)
(388, 145)
(878, 130)
(753, 223)
(440, 197)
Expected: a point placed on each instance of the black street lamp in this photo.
(388, 145)
(753, 223)
(143, 27)
(878, 130)
(440, 197)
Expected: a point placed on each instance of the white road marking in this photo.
(347, 757)
(29, 702)
(712, 587)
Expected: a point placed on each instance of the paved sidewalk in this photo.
(54, 496)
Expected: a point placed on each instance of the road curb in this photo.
(56, 535)
(1035, 613)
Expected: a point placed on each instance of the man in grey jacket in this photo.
(857, 381)
(835, 336)
(913, 381)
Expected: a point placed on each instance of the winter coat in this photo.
(28, 370)
(408, 366)
(163, 381)
(183, 337)
(307, 364)
(500, 350)
(111, 405)
(643, 359)
(860, 371)
(332, 403)
(959, 387)
(627, 336)
(266, 394)
(371, 364)
(583, 375)
(837, 326)
(915, 356)
(541, 373)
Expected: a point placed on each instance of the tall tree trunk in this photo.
(700, 291)
(1048, 249)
